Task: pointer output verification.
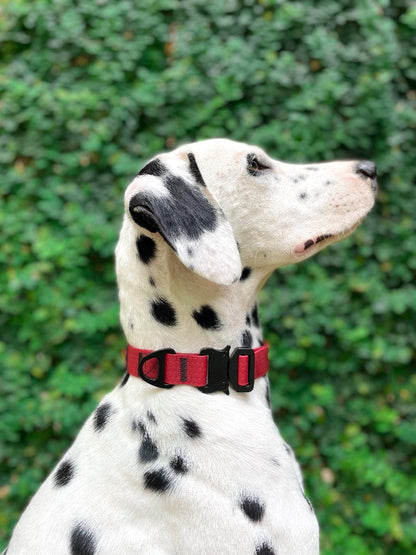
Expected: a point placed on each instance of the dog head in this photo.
(221, 205)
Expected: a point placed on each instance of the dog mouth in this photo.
(307, 245)
(323, 240)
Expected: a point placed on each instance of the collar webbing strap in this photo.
(210, 370)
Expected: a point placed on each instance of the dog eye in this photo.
(254, 166)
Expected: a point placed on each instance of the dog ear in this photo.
(183, 211)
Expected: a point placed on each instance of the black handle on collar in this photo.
(159, 355)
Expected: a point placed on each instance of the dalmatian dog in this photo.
(176, 466)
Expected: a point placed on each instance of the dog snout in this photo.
(367, 168)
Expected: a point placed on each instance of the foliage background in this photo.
(88, 91)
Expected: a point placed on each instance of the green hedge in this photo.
(88, 91)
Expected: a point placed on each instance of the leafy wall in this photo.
(89, 91)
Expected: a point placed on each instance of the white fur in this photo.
(240, 451)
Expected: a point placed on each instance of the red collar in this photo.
(211, 370)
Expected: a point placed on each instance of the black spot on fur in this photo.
(157, 480)
(179, 465)
(207, 318)
(191, 428)
(151, 417)
(152, 281)
(299, 178)
(184, 212)
(125, 379)
(264, 549)
(248, 320)
(253, 508)
(148, 450)
(64, 473)
(82, 540)
(195, 170)
(146, 248)
(247, 339)
(154, 167)
(303, 195)
(245, 273)
(255, 315)
(197, 214)
(138, 425)
(163, 312)
(101, 416)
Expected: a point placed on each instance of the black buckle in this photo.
(233, 369)
(160, 357)
(217, 370)
(223, 368)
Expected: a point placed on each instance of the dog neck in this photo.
(165, 305)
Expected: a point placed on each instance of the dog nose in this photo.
(367, 169)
